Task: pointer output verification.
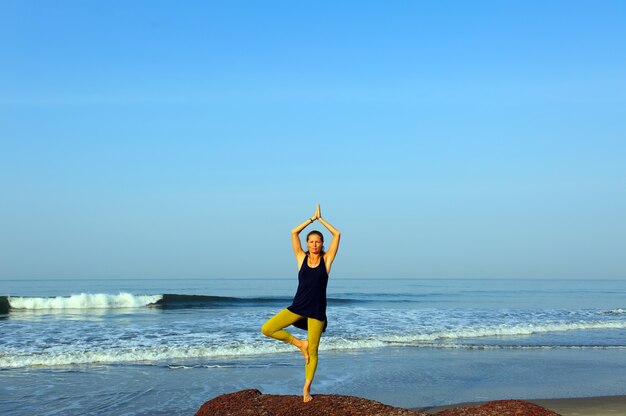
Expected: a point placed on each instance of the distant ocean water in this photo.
(65, 340)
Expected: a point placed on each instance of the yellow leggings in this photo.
(274, 328)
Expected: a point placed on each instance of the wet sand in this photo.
(585, 406)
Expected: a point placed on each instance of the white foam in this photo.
(84, 301)
(502, 330)
(171, 338)
(617, 311)
(135, 355)
(258, 346)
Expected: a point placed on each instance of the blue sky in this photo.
(163, 139)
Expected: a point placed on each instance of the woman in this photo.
(308, 310)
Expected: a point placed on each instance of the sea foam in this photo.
(84, 301)
(112, 352)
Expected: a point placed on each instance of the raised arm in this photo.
(295, 239)
(330, 254)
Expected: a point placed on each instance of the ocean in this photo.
(135, 347)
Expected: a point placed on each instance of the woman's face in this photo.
(314, 243)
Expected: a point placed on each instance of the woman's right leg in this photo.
(274, 328)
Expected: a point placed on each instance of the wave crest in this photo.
(84, 301)
(128, 300)
(616, 312)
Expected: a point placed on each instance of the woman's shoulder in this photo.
(301, 258)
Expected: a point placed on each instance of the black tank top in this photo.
(310, 299)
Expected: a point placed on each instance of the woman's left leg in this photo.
(315, 334)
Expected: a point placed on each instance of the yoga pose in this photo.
(308, 310)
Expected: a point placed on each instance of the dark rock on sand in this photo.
(500, 408)
(254, 403)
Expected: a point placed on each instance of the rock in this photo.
(254, 403)
(500, 408)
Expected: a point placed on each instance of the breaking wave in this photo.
(257, 345)
(128, 300)
(82, 301)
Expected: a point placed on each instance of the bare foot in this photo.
(303, 346)
(306, 391)
(306, 396)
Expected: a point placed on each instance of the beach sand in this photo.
(585, 406)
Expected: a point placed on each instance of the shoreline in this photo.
(575, 406)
